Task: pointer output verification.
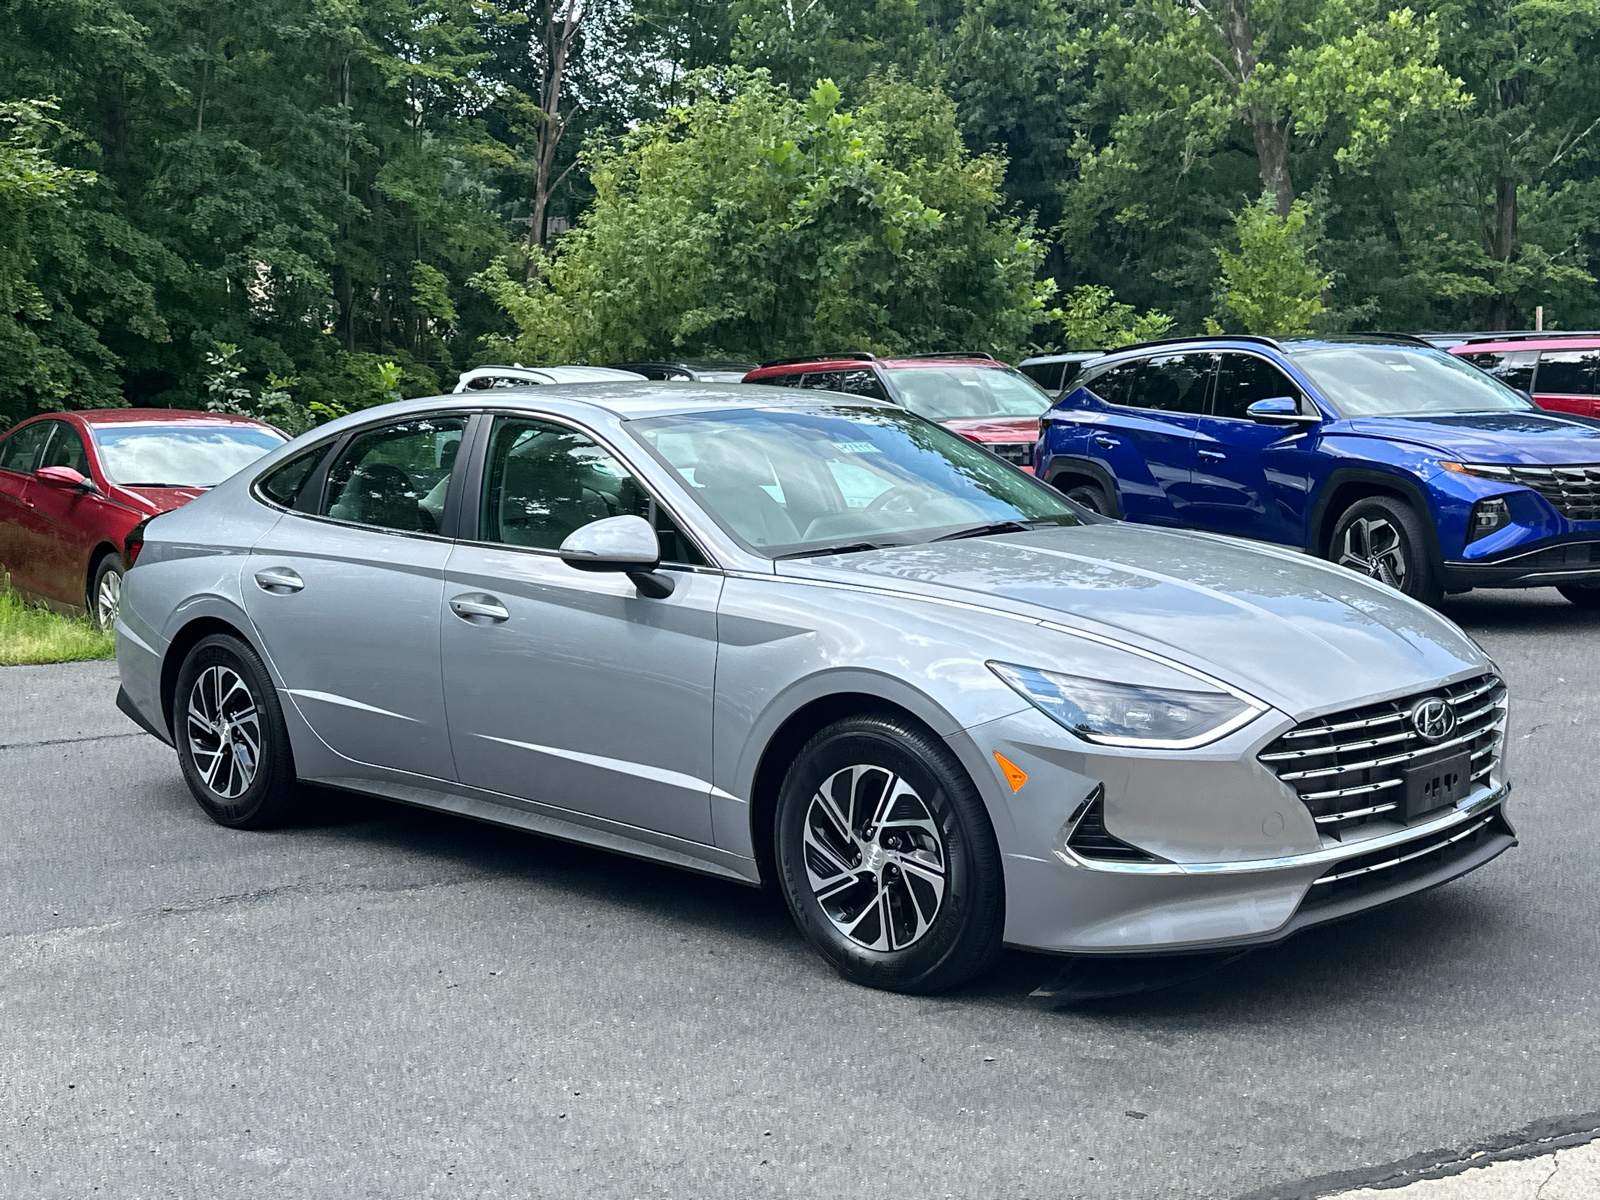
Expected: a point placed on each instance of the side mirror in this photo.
(1280, 410)
(65, 477)
(620, 544)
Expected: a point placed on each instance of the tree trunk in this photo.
(562, 24)
(1503, 246)
(1270, 134)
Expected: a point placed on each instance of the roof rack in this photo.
(1526, 335)
(849, 355)
(953, 354)
(1204, 337)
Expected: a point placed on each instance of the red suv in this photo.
(1561, 371)
(74, 485)
(975, 395)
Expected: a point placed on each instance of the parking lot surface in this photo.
(384, 1002)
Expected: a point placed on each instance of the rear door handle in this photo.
(1108, 443)
(479, 609)
(1216, 454)
(280, 581)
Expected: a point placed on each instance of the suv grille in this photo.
(1346, 766)
(1573, 491)
(1019, 453)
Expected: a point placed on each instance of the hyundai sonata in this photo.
(823, 644)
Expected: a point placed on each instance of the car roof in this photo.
(1076, 356)
(842, 362)
(155, 416)
(1539, 340)
(1250, 341)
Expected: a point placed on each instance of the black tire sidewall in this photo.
(107, 565)
(1422, 576)
(1097, 502)
(266, 801)
(1583, 597)
(965, 935)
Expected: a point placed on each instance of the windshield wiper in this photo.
(984, 530)
(847, 548)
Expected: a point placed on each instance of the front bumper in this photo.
(1269, 872)
(1576, 562)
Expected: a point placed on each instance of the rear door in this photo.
(1251, 479)
(346, 589)
(1145, 434)
(1565, 381)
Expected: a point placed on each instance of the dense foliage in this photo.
(300, 207)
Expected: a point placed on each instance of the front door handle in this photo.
(280, 581)
(1213, 454)
(479, 608)
(1107, 443)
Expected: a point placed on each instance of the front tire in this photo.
(105, 592)
(887, 858)
(1583, 597)
(232, 742)
(1381, 537)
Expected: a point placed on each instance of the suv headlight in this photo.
(1122, 714)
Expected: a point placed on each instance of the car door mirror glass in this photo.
(1277, 410)
(625, 543)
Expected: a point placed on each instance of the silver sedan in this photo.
(822, 644)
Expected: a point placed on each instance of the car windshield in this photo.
(1393, 381)
(180, 455)
(949, 393)
(836, 478)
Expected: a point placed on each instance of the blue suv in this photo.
(1381, 454)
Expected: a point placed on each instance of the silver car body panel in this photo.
(598, 715)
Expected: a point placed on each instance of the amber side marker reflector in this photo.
(1014, 774)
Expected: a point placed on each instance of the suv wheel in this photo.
(1583, 597)
(887, 859)
(1381, 537)
(1091, 496)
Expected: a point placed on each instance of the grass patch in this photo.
(30, 634)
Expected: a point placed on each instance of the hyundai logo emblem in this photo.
(1433, 718)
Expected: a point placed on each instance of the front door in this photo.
(568, 687)
(1145, 434)
(21, 544)
(346, 596)
(1251, 479)
(68, 519)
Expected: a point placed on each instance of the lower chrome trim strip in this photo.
(1316, 858)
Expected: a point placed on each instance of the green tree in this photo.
(1273, 285)
(1092, 319)
(751, 224)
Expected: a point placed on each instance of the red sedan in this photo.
(74, 484)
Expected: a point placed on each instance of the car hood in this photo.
(1293, 631)
(996, 429)
(1508, 437)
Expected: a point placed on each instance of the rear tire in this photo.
(105, 592)
(232, 742)
(1583, 597)
(887, 858)
(1381, 537)
(1091, 496)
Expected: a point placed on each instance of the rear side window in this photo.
(1245, 379)
(283, 485)
(1514, 368)
(1567, 372)
(822, 381)
(1048, 375)
(395, 476)
(861, 381)
(18, 451)
(1177, 383)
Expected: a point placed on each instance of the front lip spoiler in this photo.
(1316, 858)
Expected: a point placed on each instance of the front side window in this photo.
(395, 476)
(950, 393)
(544, 480)
(1402, 381)
(788, 482)
(188, 456)
(1243, 380)
(1514, 368)
(66, 449)
(1568, 372)
(17, 452)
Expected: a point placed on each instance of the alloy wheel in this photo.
(1373, 546)
(224, 730)
(875, 858)
(108, 599)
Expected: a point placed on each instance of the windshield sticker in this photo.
(857, 448)
(1400, 366)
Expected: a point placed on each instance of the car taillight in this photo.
(133, 543)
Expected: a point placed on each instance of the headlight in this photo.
(1121, 714)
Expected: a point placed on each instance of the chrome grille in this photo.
(1573, 490)
(1019, 453)
(1347, 766)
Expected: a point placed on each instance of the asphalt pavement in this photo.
(384, 1002)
